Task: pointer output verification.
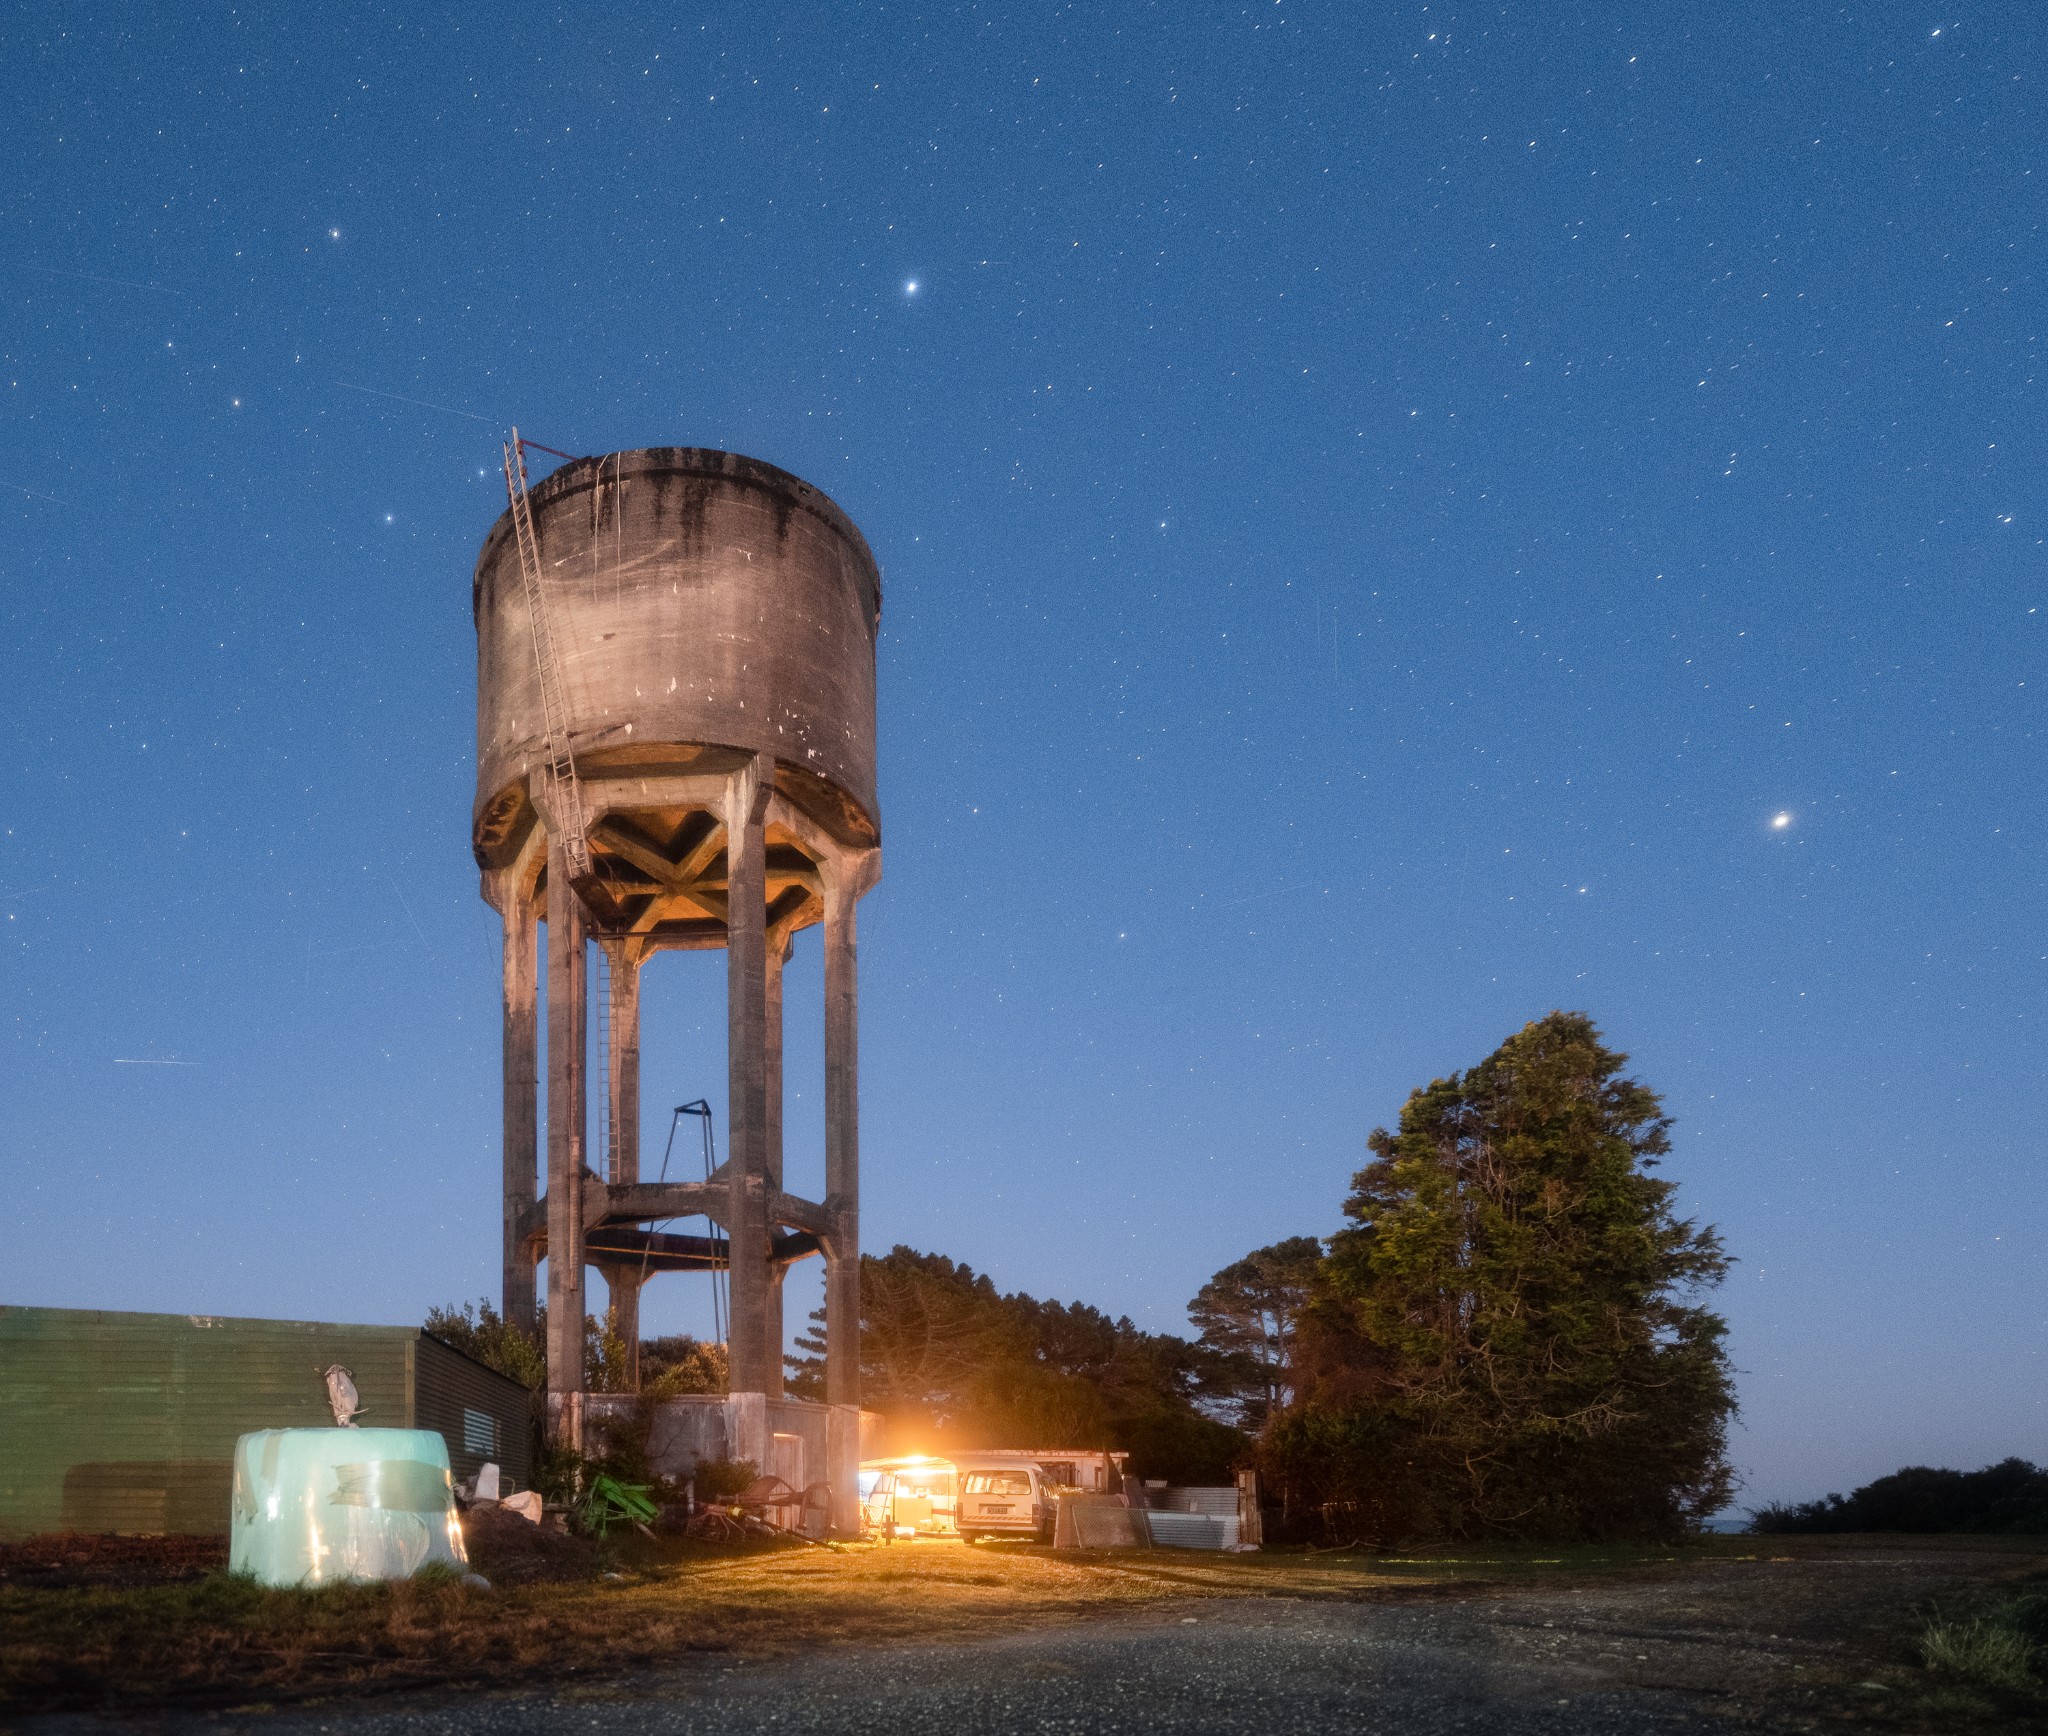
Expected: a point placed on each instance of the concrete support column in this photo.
(771, 1051)
(842, 1140)
(622, 1065)
(746, 979)
(567, 1118)
(522, 1105)
(771, 1060)
(622, 1282)
(746, 1429)
(622, 1074)
(842, 1469)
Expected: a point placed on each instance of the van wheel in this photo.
(970, 1537)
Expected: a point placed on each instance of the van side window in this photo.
(999, 1482)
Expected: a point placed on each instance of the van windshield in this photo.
(999, 1482)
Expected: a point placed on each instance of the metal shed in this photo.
(128, 1422)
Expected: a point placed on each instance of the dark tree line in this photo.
(952, 1362)
(2010, 1498)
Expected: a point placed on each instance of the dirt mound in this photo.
(509, 1550)
(75, 1558)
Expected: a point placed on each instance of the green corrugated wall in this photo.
(128, 1422)
(455, 1395)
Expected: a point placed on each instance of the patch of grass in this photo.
(1983, 1651)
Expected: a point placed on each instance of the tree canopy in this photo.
(1246, 1314)
(1506, 1339)
(478, 1330)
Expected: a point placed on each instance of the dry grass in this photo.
(1979, 1651)
(225, 1640)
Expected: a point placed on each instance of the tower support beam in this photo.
(844, 883)
(622, 1084)
(522, 1104)
(746, 976)
(567, 1120)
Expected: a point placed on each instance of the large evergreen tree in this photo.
(1507, 1340)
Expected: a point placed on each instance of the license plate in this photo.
(993, 1510)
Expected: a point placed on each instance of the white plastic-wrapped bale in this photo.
(316, 1506)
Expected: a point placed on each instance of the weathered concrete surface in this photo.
(699, 600)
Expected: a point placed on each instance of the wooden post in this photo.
(1251, 1523)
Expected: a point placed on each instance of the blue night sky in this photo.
(1382, 508)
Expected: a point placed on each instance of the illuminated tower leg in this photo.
(522, 1154)
(771, 1053)
(746, 976)
(844, 882)
(566, 1117)
(622, 1078)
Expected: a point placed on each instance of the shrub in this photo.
(721, 1479)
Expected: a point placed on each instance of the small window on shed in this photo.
(479, 1432)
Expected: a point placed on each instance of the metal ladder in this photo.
(561, 764)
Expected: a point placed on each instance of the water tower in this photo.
(675, 749)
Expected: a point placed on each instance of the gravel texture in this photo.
(1761, 1646)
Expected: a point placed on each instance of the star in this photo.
(910, 288)
(1781, 820)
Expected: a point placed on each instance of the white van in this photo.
(1002, 1495)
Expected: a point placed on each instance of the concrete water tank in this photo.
(705, 606)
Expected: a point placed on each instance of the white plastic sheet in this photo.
(314, 1506)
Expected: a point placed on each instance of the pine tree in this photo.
(1246, 1314)
(1505, 1341)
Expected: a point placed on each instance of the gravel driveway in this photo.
(1767, 1644)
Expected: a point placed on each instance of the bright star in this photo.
(910, 288)
(1780, 820)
